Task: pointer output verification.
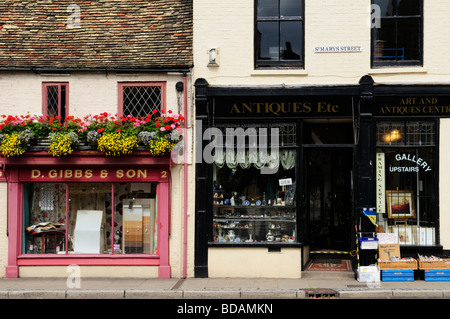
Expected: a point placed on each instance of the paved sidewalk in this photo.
(312, 285)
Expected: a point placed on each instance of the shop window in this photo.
(406, 173)
(417, 133)
(85, 218)
(140, 99)
(279, 33)
(397, 32)
(255, 186)
(55, 99)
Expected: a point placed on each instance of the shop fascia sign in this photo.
(412, 105)
(92, 174)
(283, 106)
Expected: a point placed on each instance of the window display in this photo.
(85, 218)
(250, 207)
(254, 185)
(406, 175)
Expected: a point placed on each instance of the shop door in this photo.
(329, 197)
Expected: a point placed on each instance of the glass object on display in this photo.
(77, 218)
(249, 207)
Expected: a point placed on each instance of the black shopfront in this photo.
(306, 162)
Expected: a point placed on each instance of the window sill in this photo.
(257, 244)
(88, 260)
(284, 72)
(398, 70)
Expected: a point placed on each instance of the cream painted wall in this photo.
(254, 263)
(229, 26)
(89, 271)
(444, 184)
(89, 93)
(93, 93)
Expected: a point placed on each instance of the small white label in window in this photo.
(285, 181)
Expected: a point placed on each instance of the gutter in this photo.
(185, 180)
(117, 70)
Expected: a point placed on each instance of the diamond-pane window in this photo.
(55, 99)
(142, 99)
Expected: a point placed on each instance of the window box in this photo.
(114, 135)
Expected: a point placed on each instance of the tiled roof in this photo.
(112, 34)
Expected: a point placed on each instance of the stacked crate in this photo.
(394, 268)
(435, 269)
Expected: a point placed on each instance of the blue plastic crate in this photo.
(397, 275)
(368, 242)
(437, 274)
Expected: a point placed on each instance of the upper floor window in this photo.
(55, 99)
(279, 33)
(140, 99)
(397, 32)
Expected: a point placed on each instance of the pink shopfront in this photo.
(87, 210)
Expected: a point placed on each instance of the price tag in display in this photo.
(285, 181)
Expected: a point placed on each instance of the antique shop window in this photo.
(279, 33)
(55, 99)
(84, 218)
(397, 32)
(140, 99)
(254, 186)
(406, 173)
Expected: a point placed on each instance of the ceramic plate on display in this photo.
(258, 203)
(246, 203)
(237, 240)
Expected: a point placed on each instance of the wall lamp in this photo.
(213, 57)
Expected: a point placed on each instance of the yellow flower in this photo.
(160, 146)
(61, 145)
(115, 144)
(11, 146)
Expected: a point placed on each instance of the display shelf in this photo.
(254, 224)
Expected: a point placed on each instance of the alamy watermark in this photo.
(74, 277)
(74, 20)
(375, 16)
(245, 145)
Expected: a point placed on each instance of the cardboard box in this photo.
(387, 251)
